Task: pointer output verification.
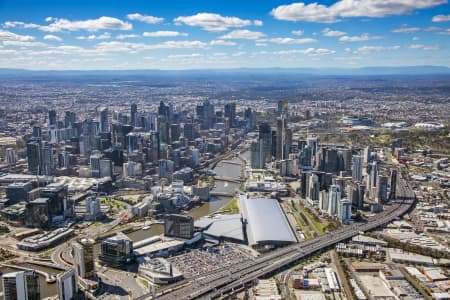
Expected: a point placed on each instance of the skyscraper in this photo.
(23, 285)
(104, 120)
(83, 254)
(281, 139)
(265, 134)
(67, 285)
(52, 117)
(34, 157)
(230, 113)
(382, 186)
(373, 175)
(334, 197)
(133, 115)
(393, 185)
(357, 168)
(163, 129)
(257, 154)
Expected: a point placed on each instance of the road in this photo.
(216, 284)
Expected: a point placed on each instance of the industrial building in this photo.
(265, 222)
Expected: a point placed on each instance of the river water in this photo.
(223, 169)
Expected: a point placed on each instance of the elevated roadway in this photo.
(219, 282)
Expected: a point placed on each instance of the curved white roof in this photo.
(266, 222)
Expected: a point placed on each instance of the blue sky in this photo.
(200, 34)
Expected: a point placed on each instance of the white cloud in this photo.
(243, 34)
(292, 41)
(358, 38)
(192, 55)
(10, 36)
(116, 46)
(441, 18)
(126, 36)
(332, 33)
(369, 49)
(406, 30)
(237, 54)
(164, 33)
(309, 52)
(101, 23)
(260, 44)
(13, 24)
(24, 44)
(93, 37)
(416, 38)
(51, 37)
(424, 47)
(297, 32)
(145, 19)
(315, 12)
(258, 23)
(214, 22)
(222, 43)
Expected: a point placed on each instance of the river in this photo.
(223, 169)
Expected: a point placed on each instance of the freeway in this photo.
(221, 281)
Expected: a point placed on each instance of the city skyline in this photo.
(81, 35)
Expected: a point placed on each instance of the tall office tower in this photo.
(367, 155)
(94, 161)
(163, 129)
(334, 196)
(52, 117)
(134, 115)
(34, 157)
(37, 131)
(250, 118)
(357, 168)
(164, 110)
(323, 201)
(83, 257)
(257, 154)
(46, 165)
(165, 168)
(330, 160)
(282, 108)
(305, 158)
(10, 156)
(393, 185)
(67, 283)
(230, 113)
(104, 119)
(313, 190)
(106, 167)
(175, 132)
(347, 159)
(345, 211)
(313, 142)
(69, 118)
(287, 143)
(188, 131)
(156, 146)
(361, 194)
(265, 134)
(382, 187)
(132, 141)
(281, 138)
(205, 113)
(23, 285)
(373, 175)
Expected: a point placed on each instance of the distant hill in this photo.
(364, 71)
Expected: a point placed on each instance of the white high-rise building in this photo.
(334, 197)
(23, 285)
(67, 285)
(345, 211)
(357, 168)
